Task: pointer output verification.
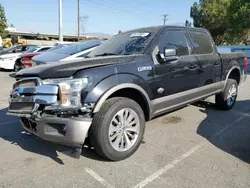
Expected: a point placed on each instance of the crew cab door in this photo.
(177, 74)
(207, 56)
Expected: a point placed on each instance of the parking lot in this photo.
(196, 146)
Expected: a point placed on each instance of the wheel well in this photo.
(235, 74)
(135, 95)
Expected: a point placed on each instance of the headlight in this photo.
(70, 90)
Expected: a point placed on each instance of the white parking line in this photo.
(186, 155)
(98, 178)
(167, 167)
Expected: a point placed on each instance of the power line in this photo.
(84, 20)
(118, 2)
(165, 18)
(114, 9)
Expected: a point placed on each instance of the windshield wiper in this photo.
(105, 54)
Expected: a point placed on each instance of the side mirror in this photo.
(14, 51)
(170, 53)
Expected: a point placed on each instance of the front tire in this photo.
(227, 99)
(117, 129)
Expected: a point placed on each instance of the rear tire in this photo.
(117, 129)
(16, 67)
(227, 99)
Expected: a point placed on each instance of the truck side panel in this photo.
(230, 60)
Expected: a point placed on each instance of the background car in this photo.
(38, 49)
(25, 60)
(27, 55)
(17, 49)
(9, 56)
(74, 51)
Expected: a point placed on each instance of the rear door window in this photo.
(201, 42)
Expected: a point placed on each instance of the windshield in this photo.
(78, 47)
(124, 44)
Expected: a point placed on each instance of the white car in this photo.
(8, 60)
(38, 49)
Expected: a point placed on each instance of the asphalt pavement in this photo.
(196, 146)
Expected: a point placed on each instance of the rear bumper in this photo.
(66, 131)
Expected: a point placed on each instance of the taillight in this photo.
(245, 63)
(27, 62)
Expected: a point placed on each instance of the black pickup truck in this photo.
(131, 78)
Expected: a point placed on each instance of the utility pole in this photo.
(165, 18)
(78, 19)
(60, 20)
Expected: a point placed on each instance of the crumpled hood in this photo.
(69, 68)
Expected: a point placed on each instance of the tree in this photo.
(195, 13)
(3, 22)
(227, 20)
(239, 19)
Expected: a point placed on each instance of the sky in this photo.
(104, 16)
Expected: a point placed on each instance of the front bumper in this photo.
(29, 100)
(66, 131)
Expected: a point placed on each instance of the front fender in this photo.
(103, 90)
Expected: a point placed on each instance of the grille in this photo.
(26, 83)
(24, 107)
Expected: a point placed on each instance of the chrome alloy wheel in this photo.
(124, 129)
(231, 97)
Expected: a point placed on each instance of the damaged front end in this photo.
(52, 109)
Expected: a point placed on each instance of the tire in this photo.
(16, 67)
(107, 136)
(227, 99)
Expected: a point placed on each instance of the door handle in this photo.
(192, 66)
(217, 63)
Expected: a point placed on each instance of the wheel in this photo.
(226, 99)
(16, 67)
(117, 129)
